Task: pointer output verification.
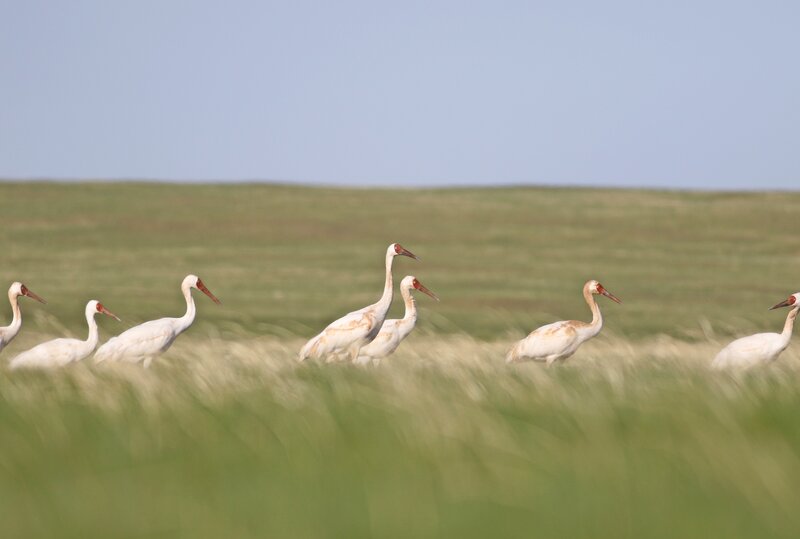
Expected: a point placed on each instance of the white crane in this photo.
(761, 348)
(145, 341)
(347, 335)
(60, 352)
(560, 340)
(394, 331)
(9, 332)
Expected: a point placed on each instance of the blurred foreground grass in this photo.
(233, 439)
(226, 436)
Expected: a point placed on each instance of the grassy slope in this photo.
(228, 437)
(290, 259)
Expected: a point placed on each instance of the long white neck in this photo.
(411, 305)
(91, 340)
(386, 299)
(597, 317)
(16, 320)
(187, 319)
(786, 334)
(409, 320)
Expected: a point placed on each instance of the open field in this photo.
(227, 437)
(287, 260)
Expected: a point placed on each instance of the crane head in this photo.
(28, 293)
(788, 302)
(419, 286)
(409, 282)
(101, 309)
(19, 289)
(596, 288)
(396, 249)
(204, 289)
(193, 281)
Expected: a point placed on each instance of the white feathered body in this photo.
(755, 350)
(345, 336)
(751, 351)
(142, 342)
(55, 353)
(553, 342)
(60, 352)
(7, 334)
(387, 341)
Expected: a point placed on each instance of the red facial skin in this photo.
(101, 309)
(27, 293)
(400, 250)
(791, 300)
(606, 293)
(419, 286)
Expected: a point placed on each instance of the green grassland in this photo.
(287, 259)
(226, 436)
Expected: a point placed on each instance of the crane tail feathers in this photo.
(511, 356)
(309, 349)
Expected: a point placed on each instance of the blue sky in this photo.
(663, 94)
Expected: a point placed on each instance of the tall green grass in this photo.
(234, 439)
(227, 436)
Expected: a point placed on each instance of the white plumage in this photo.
(8, 333)
(394, 331)
(345, 336)
(145, 341)
(60, 352)
(761, 348)
(560, 340)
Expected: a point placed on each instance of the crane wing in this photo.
(139, 342)
(55, 353)
(341, 334)
(749, 350)
(4, 340)
(389, 330)
(386, 342)
(556, 339)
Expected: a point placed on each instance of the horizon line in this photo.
(434, 185)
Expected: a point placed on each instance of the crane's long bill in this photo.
(785, 303)
(406, 252)
(610, 296)
(207, 292)
(109, 313)
(26, 292)
(419, 286)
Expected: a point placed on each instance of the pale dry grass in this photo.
(442, 438)
(212, 369)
